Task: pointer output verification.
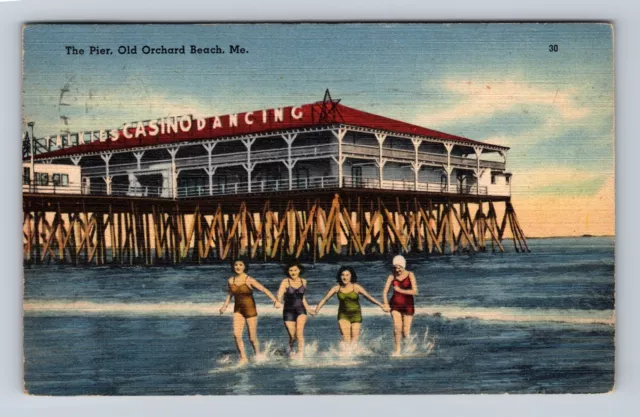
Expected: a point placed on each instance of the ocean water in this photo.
(542, 322)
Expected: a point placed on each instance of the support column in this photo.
(138, 156)
(448, 169)
(340, 160)
(290, 163)
(477, 172)
(248, 166)
(380, 162)
(174, 172)
(416, 165)
(210, 170)
(107, 178)
(76, 160)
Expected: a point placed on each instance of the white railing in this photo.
(268, 186)
(217, 160)
(54, 189)
(281, 154)
(260, 186)
(409, 156)
(410, 185)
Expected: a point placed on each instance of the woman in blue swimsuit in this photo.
(293, 289)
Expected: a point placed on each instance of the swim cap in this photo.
(399, 260)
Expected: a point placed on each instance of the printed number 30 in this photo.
(553, 48)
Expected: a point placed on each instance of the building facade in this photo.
(323, 145)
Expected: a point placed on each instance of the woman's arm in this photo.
(326, 298)
(281, 290)
(254, 283)
(385, 292)
(414, 286)
(366, 295)
(304, 300)
(227, 300)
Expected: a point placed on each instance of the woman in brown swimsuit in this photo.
(240, 287)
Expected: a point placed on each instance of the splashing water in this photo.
(337, 355)
(225, 360)
(415, 346)
(269, 354)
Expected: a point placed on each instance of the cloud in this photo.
(559, 181)
(481, 99)
(528, 137)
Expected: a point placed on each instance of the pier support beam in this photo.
(131, 230)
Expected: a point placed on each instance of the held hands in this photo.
(312, 312)
(222, 309)
(277, 304)
(385, 308)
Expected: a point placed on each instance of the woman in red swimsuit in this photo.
(401, 303)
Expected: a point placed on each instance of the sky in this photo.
(496, 83)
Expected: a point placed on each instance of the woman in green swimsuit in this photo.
(349, 313)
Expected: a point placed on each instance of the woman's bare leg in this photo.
(397, 331)
(355, 332)
(291, 330)
(345, 330)
(238, 329)
(406, 326)
(252, 326)
(300, 322)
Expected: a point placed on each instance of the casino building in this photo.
(312, 146)
(303, 181)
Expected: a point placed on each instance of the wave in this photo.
(454, 312)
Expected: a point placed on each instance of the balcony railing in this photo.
(268, 186)
(405, 155)
(410, 185)
(297, 152)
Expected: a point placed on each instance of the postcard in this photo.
(318, 208)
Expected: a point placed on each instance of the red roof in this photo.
(306, 116)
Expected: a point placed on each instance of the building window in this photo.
(60, 179)
(493, 179)
(508, 180)
(26, 175)
(41, 178)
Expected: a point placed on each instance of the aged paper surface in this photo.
(318, 209)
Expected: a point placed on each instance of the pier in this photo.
(312, 227)
(316, 182)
